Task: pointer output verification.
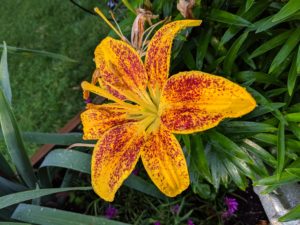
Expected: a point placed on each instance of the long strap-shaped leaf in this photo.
(16, 198)
(52, 138)
(81, 162)
(47, 216)
(4, 75)
(39, 52)
(15, 143)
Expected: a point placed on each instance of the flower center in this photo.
(142, 107)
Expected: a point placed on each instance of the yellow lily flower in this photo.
(148, 107)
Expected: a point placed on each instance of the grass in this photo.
(46, 91)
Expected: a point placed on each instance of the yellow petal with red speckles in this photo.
(120, 66)
(115, 156)
(157, 61)
(196, 101)
(164, 161)
(97, 119)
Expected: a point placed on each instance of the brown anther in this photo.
(185, 7)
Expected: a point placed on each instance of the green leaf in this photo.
(293, 214)
(15, 143)
(4, 75)
(16, 198)
(203, 42)
(187, 142)
(298, 60)
(280, 148)
(275, 92)
(291, 144)
(143, 186)
(26, 51)
(5, 169)
(81, 162)
(261, 99)
(234, 174)
(233, 53)
(238, 127)
(129, 6)
(8, 186)
(249, 3)
(48, 216)
(292, 77)
(258, 8)
(271, 44)
(294, 108)
(264, 109)
(52, 138)
(248, 61)
(285, 50)
(12, 223)
(293, 117)
(285, 178)
(259, 77)
(70, 159)
(295, 129)
(294, 171)
(288, 10)
(218, 170)
(228, 146)
(264, 24)
(188, 59)
(198, 157)
(260, 152)
(228, 18)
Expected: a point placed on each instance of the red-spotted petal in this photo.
(165, 163)
(97, 119)
(115, 156)
(195, 101)
(120, 67)
(157, 61)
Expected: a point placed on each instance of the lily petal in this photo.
(164, 161)
(120, 67)
(196, 101)
(157, 61)
(114, 158)
(97, 119)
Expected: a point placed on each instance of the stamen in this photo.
(149, 30)
(86, 86)
(130, 96)
(120, 31)
(153, 126)
(98, 11)
(152, 96)
(145, 123)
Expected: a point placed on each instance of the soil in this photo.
(250, 210)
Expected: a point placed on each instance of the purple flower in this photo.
(232, 207)
(175, 209)
(190, 222)
(157, 223)
(135, 172)
(112, 3)
(111, 212)
(88, 100)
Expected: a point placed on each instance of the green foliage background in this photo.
(254, 43)
(46, 92)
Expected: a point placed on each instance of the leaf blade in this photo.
(18, 197)
(4, 75)
(48, 216)
(15, 143)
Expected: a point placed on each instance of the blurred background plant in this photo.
(254, 43)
